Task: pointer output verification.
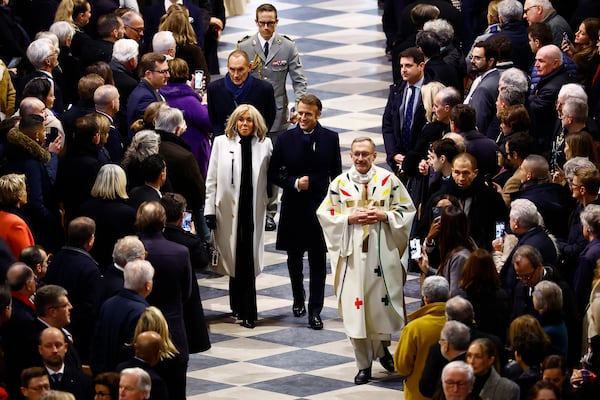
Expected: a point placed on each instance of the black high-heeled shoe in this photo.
(246, 323)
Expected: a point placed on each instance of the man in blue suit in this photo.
(154, 74)
(239, 87)
(304, 161)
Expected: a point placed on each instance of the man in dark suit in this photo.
(147, 347)
(462, 121)
(118, 317)
(15, 342)
(123, 64)
(107, 102)
(154, 74)
(510, 14)
(74, 269)
(484, 90)
(128, 248)
(172, 280)
(436, 68)
(238, 87)
(110, 29)
(154, 172)
(404, 114)
(304, 161)
(53, 348)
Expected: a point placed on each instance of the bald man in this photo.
(107, 102)
(542, 103)
(147, 347)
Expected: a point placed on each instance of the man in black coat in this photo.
(110, 29)
(118, 317)
(154, 172)
(510, 14)
(304, 161)
(128, 248)
(18, 353)
(239, 87)
(524, 223)
(401, 123)
(549, 198)
(74, 269)
(53, 348)
(173, 282)
(541, 104)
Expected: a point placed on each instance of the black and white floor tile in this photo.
(341, 46)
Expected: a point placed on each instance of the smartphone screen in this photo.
(198, 79)
(500, 228)
(436, 212)
(186, 223)
(415, 249)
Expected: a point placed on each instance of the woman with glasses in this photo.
(236, 200)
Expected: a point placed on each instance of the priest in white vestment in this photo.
(366, 219)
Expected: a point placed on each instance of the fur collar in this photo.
(28, 145)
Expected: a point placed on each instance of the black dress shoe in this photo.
(248, 324)
(299, 310)
(363, 376)
(387, 361)
(270, 224)
(315, 322)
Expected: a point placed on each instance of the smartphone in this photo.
(198, 79)
(415, 249)
(186, 222)
(14, 62)
(565, 36)
(500, 228)
(436, 211)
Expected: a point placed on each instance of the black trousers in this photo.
(318, 272)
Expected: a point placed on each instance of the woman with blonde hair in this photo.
(236, 199)
(13, 228)
(109, 209)
(177, 21)
(171, 367)
(149, 117)
(57, 395)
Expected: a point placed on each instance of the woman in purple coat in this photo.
(180, 95)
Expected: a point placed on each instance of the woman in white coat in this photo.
(236, 199)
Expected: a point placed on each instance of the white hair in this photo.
(125, 49)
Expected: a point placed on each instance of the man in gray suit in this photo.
(273, 57)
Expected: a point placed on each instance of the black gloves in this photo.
(211, 221)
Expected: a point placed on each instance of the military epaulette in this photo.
(244, 38)
(288, 38)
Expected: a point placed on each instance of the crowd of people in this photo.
(125, 168)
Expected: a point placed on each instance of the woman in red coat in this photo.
(13, 229)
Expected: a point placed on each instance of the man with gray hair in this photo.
(134, 384)
(42, 54)
(510, 14)
(163, 42)
(421, 333)
(543, 11)
(128, 248)
(119, 315)
(107, 102)
(541, 103)
(525, 224)
(123, 64)
(452, 345)
(134, 25)
(550, 198)
(458, 380)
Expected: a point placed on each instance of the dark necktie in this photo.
(266, 49)
(56, 378)
(408, 119)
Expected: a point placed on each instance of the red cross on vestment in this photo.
(358, 303)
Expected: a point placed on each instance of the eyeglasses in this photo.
(526, 278)
(39, 388)
(363, 154)
(163, 71)
(529, 8)
(101, 394)
(270, 24)
(138, 30)
(476, 58)
(64, 305)
(459, 384)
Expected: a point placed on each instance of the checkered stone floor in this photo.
(341, 47)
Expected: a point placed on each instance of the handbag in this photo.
(214, 253)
